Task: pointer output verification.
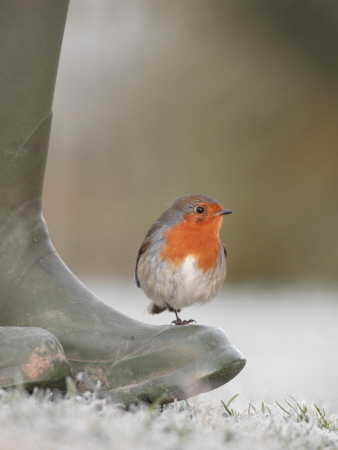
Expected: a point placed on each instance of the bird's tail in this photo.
(155, 309)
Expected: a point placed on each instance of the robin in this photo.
(182, 258)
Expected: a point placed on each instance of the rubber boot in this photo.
(31, 357)
(133, 360)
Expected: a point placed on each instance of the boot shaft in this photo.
(30, 43)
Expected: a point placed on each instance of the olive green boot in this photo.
(31, 357)
(132, 360)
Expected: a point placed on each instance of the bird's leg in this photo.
(179, 321)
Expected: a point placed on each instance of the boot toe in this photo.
(176, 363)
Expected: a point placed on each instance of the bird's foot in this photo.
(182, 322)
(179, 321)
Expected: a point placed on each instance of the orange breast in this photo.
(198, 240)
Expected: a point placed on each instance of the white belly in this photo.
(189, 284)
(182, 286)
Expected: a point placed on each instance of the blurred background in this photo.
(238, 100)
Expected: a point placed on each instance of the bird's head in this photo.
(197, 209)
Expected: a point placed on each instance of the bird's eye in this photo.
(200, 210)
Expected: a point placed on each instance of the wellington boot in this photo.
(31, 357)
(132, 360)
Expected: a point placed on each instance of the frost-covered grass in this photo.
(43, 421)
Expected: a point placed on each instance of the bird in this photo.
(182, 260)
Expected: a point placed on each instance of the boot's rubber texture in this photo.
(132, 359)
(200, 363)
(31, 357)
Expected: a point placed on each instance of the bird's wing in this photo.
(144, 246)
(224, 249)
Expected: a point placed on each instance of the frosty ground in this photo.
(288, 397)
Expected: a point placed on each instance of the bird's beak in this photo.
(223, 212)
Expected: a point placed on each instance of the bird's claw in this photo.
(182, 322)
